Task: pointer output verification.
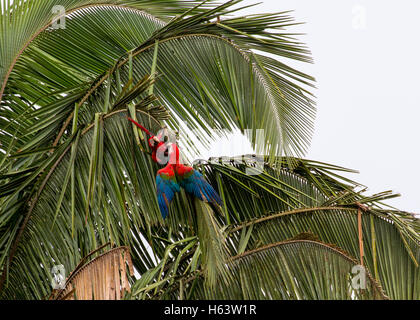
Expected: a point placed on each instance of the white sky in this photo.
(367, 66)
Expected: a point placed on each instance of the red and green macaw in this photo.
(175, 175)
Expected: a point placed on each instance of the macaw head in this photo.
(159, 150)
(163, 149)
(155, 141)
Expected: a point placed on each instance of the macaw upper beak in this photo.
(154, 142)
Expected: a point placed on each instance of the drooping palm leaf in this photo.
(339, 226)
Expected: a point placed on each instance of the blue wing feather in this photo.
(166, 188)
(200, 188)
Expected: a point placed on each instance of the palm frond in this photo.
(30, 18)
(214, 251)
(289, 270)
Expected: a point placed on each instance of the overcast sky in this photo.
(367, 66)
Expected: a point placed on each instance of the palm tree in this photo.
(77, 186)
